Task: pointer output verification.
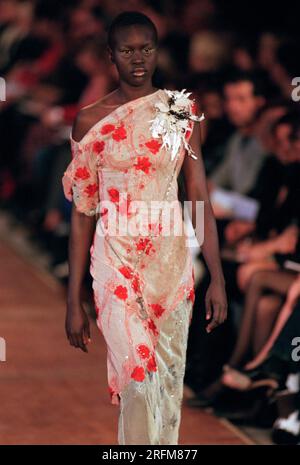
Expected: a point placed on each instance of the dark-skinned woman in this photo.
(128, 149)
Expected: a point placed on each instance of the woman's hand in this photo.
(216, 304)
(256, 252)
(236, 229)
(77, 326)
(244, 246)
(286, 242)
(248, 251)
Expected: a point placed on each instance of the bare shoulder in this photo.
(88, 116)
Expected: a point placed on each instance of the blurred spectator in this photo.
(208, 52)
(245, 154)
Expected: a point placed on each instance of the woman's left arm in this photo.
(197, 190)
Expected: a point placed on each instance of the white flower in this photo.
(171, 122)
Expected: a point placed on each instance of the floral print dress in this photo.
(139, 280)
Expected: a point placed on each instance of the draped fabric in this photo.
(140, 280)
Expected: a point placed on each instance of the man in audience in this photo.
(245, 154)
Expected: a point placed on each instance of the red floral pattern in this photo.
(119, 133)
(153, 145)
(158, 310)
(152, 327)
(82, 173)
(151, 365)
(126, 272)
(114, 194)
(104, 211)
(145, 244)
(98, 146)
(188, 132)
(138, 373)
(143, 164)
(135, 284)
(91, 190)
(107, 128)
(121, 292)
(143, 351)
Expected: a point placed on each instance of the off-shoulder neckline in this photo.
(93, 127)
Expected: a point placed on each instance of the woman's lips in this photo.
(139, 72)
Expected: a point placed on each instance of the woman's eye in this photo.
(147, 51)
(127, 52)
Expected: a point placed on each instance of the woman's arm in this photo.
(81, 236)
(197, 190)
(80, 240)
(283, 243)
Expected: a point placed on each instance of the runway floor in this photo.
(52, 393)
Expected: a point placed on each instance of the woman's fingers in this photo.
(87, 332)
(208, 308)
(77, 328)
(73, 340)
(219, 316)
(215, 318)
(81, 342)
(223, 315)
(76, 340)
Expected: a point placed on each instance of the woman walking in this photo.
(127, 151)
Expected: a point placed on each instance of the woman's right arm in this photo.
(80, 240)
(83, 224)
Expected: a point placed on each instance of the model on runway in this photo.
(128, 149)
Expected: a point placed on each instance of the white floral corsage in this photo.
(171, 122)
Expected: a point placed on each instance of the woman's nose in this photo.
(138, 57)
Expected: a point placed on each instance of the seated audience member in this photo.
(244, 154)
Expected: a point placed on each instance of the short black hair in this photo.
(129, 18)
(255, 78)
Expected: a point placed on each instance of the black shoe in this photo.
(251, 407)
(271, 372)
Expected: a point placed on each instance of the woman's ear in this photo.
(110, 54)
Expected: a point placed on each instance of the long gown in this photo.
(143, 284)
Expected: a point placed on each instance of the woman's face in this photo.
(134, 54)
